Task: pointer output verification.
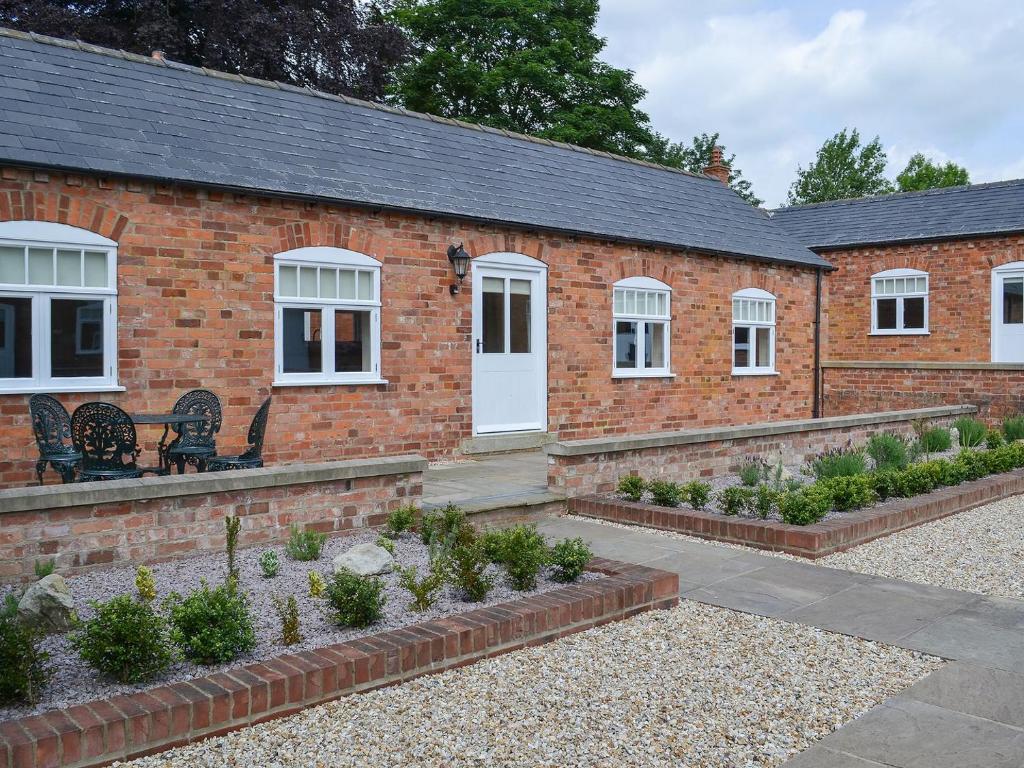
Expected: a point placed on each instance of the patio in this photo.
(511, 481)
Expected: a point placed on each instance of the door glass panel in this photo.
(763, 347)
(885, 313)
(654, 345)
(328, 283)
(288, 281)
(741, 348)
(619, 302)
(493, 315)
(15, 338)
(365, 286)
(625, 344)
(12, 265)
(301, 332)
(76, 337)
(348, 284)
(307, 282)
(351, 341)
(519, 315)
(1013, 301)
(913, 313)
(96, 269)
(69, 268)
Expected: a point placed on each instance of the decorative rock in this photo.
(364, 560)
(48, 604)
(954, 436)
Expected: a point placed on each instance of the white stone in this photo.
(48, 604)
(364, 560)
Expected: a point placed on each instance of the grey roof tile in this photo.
(75, 106)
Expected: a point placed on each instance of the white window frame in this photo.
(648, 285)
(46, 234)
(756, 295)
(877, 294)
(330, 258)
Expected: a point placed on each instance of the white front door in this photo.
(1008, 315)
(509, 344)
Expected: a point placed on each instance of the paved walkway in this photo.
(968, 714)
(491, 482)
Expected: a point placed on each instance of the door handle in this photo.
(479, 344)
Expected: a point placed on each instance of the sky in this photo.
(776, 79)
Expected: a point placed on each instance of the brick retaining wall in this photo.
(129, 726)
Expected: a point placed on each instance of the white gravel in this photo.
(693, 686)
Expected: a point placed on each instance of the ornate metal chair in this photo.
(52, 427)
(195, 443)
(105, 436)
(252, 457)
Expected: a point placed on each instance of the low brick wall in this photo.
(90, 525)
(811, 541)
(128, 726)
(581, 467)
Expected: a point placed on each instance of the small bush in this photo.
(44, 568)
(1013, 428)
(523, 551)
(211, 626)
(912, 481)
(971, 465)
(804, 506)
(632, 487)
(888, 451)
(424, 591)
(270, 564)
(936, 440)
(288, 613)
(735, 499)
(998, 459)
(24, 664)
(317, 585)
(752, 471)
(994, 439)
(569, 559)
(467, 570)
(400, 521)
(665, 493)
(850, 492)
(145, 585)
(838, 462)
(125, 640)
(766, 500)
(232, 525)
(696, 494)
(355, 601)
(304, 545)
(388, 545)
(972, 432)
(437, 527)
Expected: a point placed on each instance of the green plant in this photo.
(523, 551)
(569, 559)
(665, 493)
(752, 471)
(317, 585)
(270, 564)
(126, 640)
(145, 585)
(1013, 428)
(44, 568)
(355, 601)
(850, 492)
(232, 525)
(971, 465)
(998, 459)
(696, 493)
(288, 613)
(838, 462)
(304, 545)
(400, 520)
(936, 440)
(438, 526)
(766, 500)
(994, 439)
(424, 591)
(467, 570)
(388, 545)
(972, 432)
(804, 506)
(211, 626)
(24, 664)
(632, 487)
(735, 499)
(888, 451)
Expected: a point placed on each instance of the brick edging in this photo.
(811, 541)
(129, 726)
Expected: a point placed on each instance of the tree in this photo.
(842, 169)
(340, 46)
(529, 66)
(696, 156)
(922, 173)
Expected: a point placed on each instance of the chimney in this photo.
(717, 170)
(157, 55)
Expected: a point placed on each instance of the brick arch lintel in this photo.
(337, 234)
(36, 205)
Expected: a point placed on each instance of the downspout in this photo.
(816, 407)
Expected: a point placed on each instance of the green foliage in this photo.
(665, 493)
(888, 451)
(126, 640)
(1013, 428)
(304, 545)
(752, 471)
(270, 564)
(569, 559)
(804, 506)
(439, 525)
(921, 173)
(696, 156)
(970, 465)
(288, 614)
(632, 487)
(735, 499)
(24, 665)
(356, 601)
(145, 585)
(400, 520)
(44, 568)
(838, 462)
(317, 585)
(522, 551)
(211, 626)
(852, 492)
(232, 525)
(842, 169)
(766, 501)
(696, 493)
(972, 432)
(424, 591)
(936, 440)
(999, 459)
(467, 569)
(994, 439)
(388, 545)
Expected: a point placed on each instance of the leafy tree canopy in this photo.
(340, 46)
(843, 168)
(696, 156)
(922, 173)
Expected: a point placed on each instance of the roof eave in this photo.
(916, 240)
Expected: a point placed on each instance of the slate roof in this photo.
(936, 214)
(75, 106)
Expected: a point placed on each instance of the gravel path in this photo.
(75, 682)
(693, 686)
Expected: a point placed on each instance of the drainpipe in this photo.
(816, 408)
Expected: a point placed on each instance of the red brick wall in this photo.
(195, 278)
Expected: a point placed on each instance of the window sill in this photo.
(899, 333)
(66, 390)
(351, 383)
(754, 373)
(651, 375)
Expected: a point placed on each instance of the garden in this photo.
(120, 630)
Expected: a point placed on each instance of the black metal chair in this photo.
(195, 443)
(52, 427)
(252, 457)
(105, 436)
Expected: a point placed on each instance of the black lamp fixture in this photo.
(460, 263)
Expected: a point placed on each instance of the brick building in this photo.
(926, 305)
(164, 227)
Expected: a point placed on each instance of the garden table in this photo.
(168, 420)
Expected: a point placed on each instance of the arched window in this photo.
(642, 312)
(753, 332)
(326, 317)
(58, 308)
(899, 302)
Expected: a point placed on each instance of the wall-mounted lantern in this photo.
(460, 263)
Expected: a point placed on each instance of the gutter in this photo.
(816, 406)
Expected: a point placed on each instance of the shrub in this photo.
(270, 564)
(388, 545)
(355, 601)
(44, 568)
(24, 664)
(972, 432)
(569, 559)
(632, 487)
(971, 465)
(1013, 428)
(438, 526)
(288, 613)
(317, 585)
(752, 471)
(424, 591)
(935, 440)
(994, 439)
(126, 640)
(523, 551)
(850, 492)
(400, 521)
(304, 545)
(665, 493)
(232, 525)
(999, 459)
(145, 584)
(467, 570)
(838, 462)
(912, 481)
(888, 451)
(765, 501)
(211, 626)
(735, 499)
(804, 506)
(696, 494)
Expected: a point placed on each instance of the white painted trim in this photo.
(647, 283)
(901, 272)
(329, 256)
(506, 259)
(61, 389)
(995, 301)
(52, 232)
(753, 293)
